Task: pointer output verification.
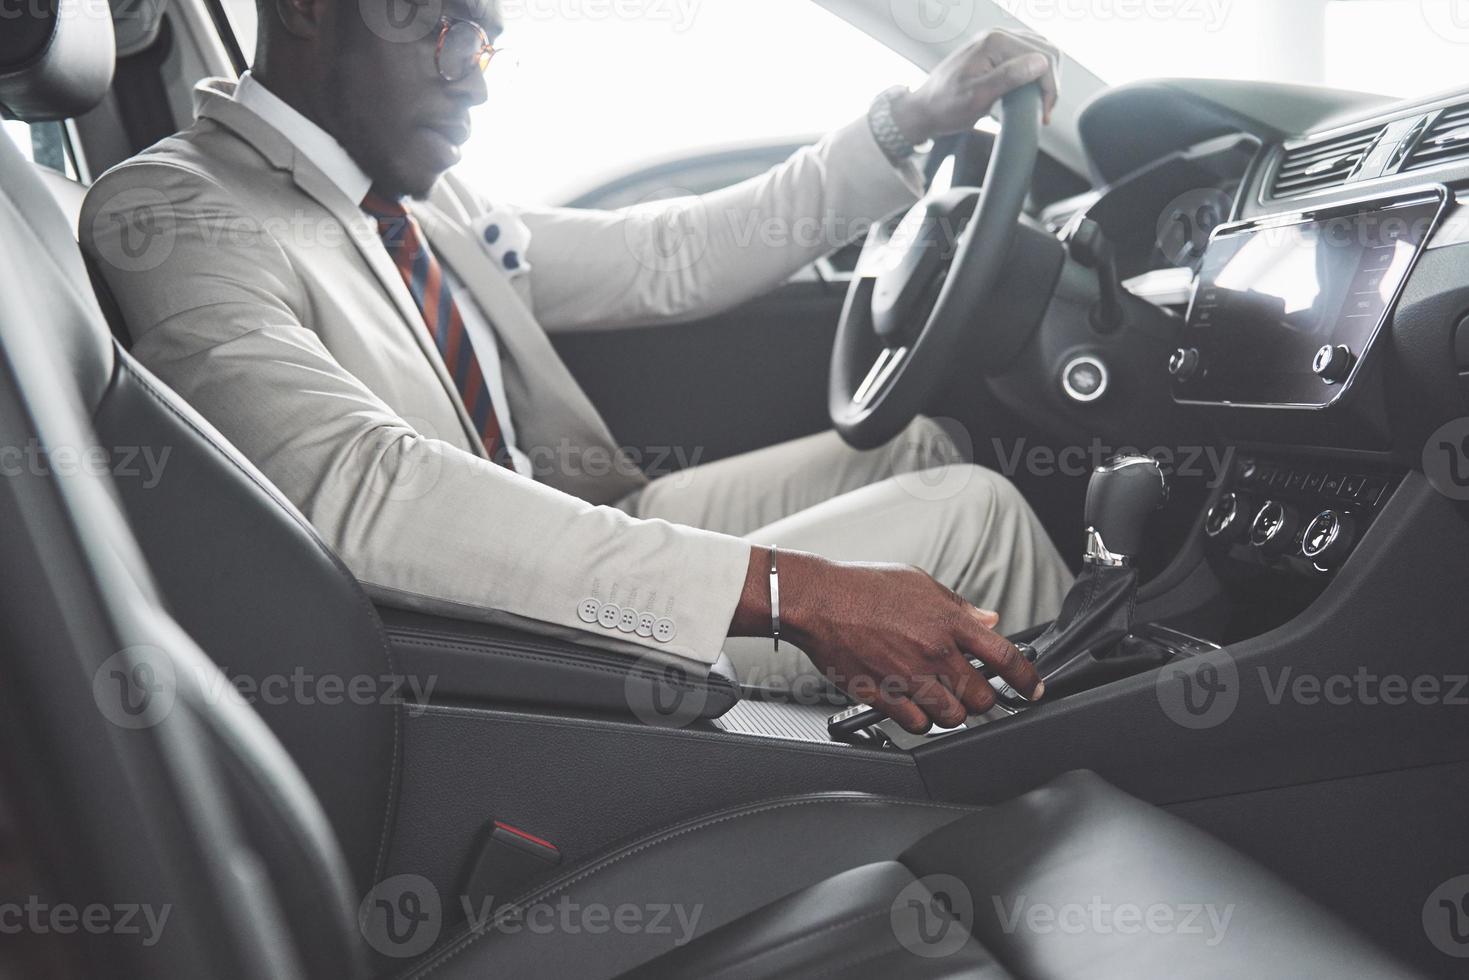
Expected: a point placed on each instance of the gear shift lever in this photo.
(1097, 612)
(1124, 491)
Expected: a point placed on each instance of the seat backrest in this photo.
(69, 193)
(66, 192)
(236, 565)
(144, 787)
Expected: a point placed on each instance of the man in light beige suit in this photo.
(390, 371)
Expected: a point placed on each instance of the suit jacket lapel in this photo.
(213, 100)
(550, 410)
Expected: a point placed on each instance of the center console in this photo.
(1297, 514)
(1282, 350)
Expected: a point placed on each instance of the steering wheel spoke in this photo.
(883, 368)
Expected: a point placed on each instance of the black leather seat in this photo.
(1075, 879)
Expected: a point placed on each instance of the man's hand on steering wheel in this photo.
(888, 635)
(966, 85)
(919, 291)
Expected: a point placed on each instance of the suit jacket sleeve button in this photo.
(588, 610)
(645, 624)
(664, 630)
(609, 615)
(628, 621)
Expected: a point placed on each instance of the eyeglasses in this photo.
(463, 47)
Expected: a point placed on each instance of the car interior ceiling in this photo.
(282, 836)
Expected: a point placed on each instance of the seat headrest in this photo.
(56, 58)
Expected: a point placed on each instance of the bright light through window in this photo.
(1391, 47)
(20, 135)
(591, 96)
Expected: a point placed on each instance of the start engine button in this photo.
(1084, 379)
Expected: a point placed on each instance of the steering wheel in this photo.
(918, 285)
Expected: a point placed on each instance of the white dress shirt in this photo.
(339, 167)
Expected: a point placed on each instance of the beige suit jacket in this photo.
(260, 293)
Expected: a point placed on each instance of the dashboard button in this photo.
(1084, 379)
(1314, 481)
(1184, 363)
(1331, 486)
(1295, 480)
(1332, 364)
(1352, 485)
(1372, 491)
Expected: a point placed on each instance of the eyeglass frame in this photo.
(483, 57)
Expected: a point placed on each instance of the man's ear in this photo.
(302, 18)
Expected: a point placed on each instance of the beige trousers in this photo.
(913, 501)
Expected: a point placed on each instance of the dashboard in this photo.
(1303, 259)
(1311, 245)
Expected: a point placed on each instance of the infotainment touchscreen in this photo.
(1285, 309)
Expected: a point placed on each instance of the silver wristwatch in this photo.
(895, 146)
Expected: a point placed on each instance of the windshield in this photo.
(1390, 47)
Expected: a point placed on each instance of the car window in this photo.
(1392, 47)
(242, 23)
(587, 91)
(43, 143)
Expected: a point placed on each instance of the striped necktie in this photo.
(425, 279)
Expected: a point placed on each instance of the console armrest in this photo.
(480, 662)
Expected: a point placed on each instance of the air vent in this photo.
(1446, 141)
(1323, 165)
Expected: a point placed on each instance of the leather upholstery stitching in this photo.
(519, 905)
(123, 362)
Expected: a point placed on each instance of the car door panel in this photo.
(688, 393)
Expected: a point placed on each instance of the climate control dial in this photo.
(1274, 528)
(1184, 363)
(1228, 520)
(1328, 538)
